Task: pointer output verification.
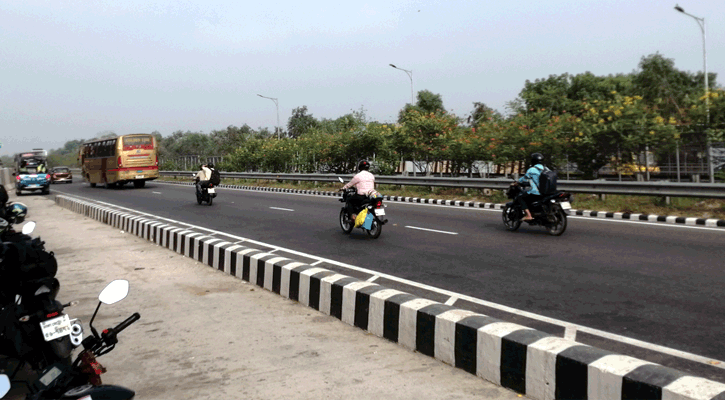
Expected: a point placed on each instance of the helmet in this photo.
(537, 158)
(16, 213)
(210, 166)
(364, 165)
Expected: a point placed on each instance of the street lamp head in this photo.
(393, 66)
(678, 8)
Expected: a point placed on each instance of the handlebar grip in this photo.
(130, 320)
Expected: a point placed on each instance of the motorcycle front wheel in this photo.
(345, 223)
(375, 229)
(198, 198)
(557, 227)
(511, 219)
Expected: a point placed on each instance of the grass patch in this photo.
(679, 206)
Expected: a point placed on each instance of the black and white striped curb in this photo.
(530, 362)
(708, 222)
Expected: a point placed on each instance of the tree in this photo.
(300, 122)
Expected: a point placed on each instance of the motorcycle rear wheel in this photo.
(209, 199)
(345, 223)
(510, 217)
(559, 225)
(198, 199)
(375, 229)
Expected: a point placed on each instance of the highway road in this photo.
(656, 283)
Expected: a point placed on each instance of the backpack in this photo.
(216, 178)
(547, 181)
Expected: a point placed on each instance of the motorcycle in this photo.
(82, 380)
(34, 329)
(207, 194)
(374, 206)
(549, 212)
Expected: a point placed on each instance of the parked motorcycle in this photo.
(207, 194)
(82, 379)
(374, 206)
(549, 212)
(34, 329)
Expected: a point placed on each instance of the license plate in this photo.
(139, 176)
(565, 205)
(56, 327)
(33, 186)
(379, 211)
(211, 190)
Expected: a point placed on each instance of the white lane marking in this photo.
(283, 209)
(567, 325)
(156, 192)
(432, 230)
(391, 202)
(373, 278)
(317, 262)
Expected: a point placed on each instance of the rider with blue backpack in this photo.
(531, 181)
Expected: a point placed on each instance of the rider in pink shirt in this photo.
(364, 182)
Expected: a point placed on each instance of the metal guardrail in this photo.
(671, 189)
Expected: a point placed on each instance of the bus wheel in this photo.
(93, 184)
(139, 184)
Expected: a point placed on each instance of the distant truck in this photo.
(31, 171)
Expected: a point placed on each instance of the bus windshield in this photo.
(138, 142)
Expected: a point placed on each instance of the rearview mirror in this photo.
(340, 179)
(28, 228)
(114, 292)
(4, 385)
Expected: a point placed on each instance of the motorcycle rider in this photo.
(202, 178)
(530, 182)
(364, 182)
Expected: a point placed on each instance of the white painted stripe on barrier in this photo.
(348, 300)
(692, 388)
(305, 284)
(606, 373)
(652, 218)
(541, 366)
(408, 321)
(206, 243)
(189, 238)
(376, 313)
(240, 262)
(326, 291)
(711, 222)
(269, 271)
(671, 219)
(285, 279)
(618, 215)
(228, 258)
(254, 266)
(445, 334)
(690, 221)
(488, 359)
(216, 249)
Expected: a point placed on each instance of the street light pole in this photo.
(701, 24)
(410, 75)
(277, 105)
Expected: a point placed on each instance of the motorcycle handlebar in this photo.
(125, 324)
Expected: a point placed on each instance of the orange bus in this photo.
(120, 160)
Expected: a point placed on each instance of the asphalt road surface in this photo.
(657, 283)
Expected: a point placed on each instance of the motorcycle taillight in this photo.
(379, 204)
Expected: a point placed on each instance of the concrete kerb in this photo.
(527, 361)
(669, 219)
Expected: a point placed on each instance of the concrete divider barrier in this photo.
(530, 362)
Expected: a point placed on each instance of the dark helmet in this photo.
(537, 158)
(364, 165)
(210, 166)
(16, 213)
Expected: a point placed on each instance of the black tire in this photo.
(345, 223)
(139, 184)
(511, 218)
(198, 199)
(376, 229)
(46, 191)
(210, 199)
(107, 185)
(18, 192)
(93, 184)
(557, 227)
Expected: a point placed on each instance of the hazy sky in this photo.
(71, 69)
